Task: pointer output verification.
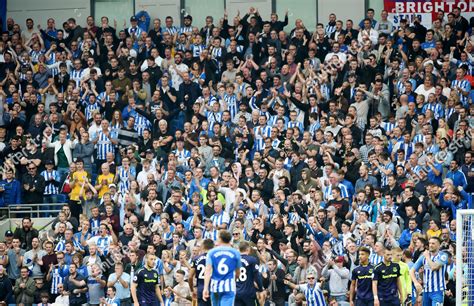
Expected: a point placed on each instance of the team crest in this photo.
(395, 269)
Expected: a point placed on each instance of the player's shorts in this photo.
(245, 301)
(362, 302)
(222, 298)
(433, 298)
(387, 303)
(201, 302)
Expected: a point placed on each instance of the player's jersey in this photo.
(433, 281)
(248, 276)
(386, 276)
(224, 261)
(199, 264)
(364, 275)
(146, 281)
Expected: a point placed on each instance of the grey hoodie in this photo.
(338, 279)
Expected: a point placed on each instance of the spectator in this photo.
(24, 288)
(33, 185)
(26, 233)
(76, 284)
(10, 189)
(6, 293)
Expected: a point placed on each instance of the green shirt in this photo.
(62, 159)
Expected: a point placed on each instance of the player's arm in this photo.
(401, 290)
(434, 265)
(133, 291)
(415, 268)
(237, 273)
(375, 291)
(192, 271)
(158, 294)
(352, 291)
(207, 280)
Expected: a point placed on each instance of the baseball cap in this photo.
(8, 233)
(112, 186)
(339, 259)
(133, 19)
(49, 162)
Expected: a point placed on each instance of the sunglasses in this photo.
(310, 278)
(235, 234)
(33, 168)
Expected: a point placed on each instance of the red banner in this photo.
(425, 10)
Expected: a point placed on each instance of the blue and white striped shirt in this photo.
(182, 156)
(76, 75)
(388, 126)
(185, 30)
(219, 219)
(375, 259)
(104, 146)
(314, 296)
(124, 176)
(137, 31)
(384, 176)
(171, 30)
(90, 108)
(436, 108)
(57, 277)
(216, 53)
(210, 234)
(103, 96)
(337, 246)
(94, 226)
(433, 281)
(328, 192)
(50, 189)
(465, 86)
(260, 133)
(292, 124)
(213, 118)
(232, 105)
(141, 124)
(197, 49)
(35, 55)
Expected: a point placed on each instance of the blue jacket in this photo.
(458, 177)
(462, 204)
(11, 194)
(405, 237)
(144, 25)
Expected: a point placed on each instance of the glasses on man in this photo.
(31, 168)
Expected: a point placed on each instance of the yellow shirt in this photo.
(80, 177)
(109, 178)
(405, 277)
(431, 233)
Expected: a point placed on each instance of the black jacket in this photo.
(25, 237)
(36, 182)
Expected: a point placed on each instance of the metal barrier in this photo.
(36, 210)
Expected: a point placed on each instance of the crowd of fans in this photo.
(309, 143)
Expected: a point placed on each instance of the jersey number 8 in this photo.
(243, 275)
